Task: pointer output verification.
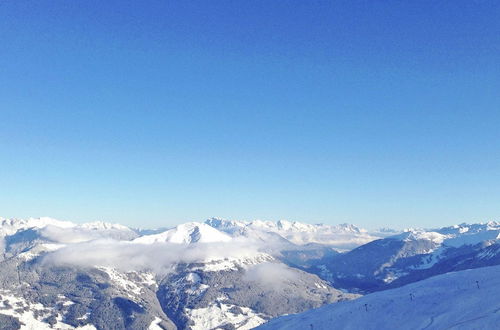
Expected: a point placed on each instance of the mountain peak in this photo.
(187, 233)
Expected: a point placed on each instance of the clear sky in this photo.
(150, 113)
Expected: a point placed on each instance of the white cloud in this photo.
(158, 257)
(270, 274)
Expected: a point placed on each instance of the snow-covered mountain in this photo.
(240, 294)
(30, 237)
(237, 288)
(460, 300)
(100, 275)
(191, 232)
(342, 237)
(216, 274)
(412, 255)
(10, 226)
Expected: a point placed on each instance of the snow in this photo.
(57, 231)
(393, 305)
(155, 324)
(419, 234)
(100, 225)
(39, 249)
(451, 300)
(454, 236)
(193, 278)
(473, 238)
(25, 313)
(217, 314)
(191, 232)
(320, 286)
(121, 280)
(432, 259)
(148, 279)
(64, 301)
(11, 226)
(233, 263)
(342, 236)
(197, 290)
(393, 275)
(84, 317)
(490, 252)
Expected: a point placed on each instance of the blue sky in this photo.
(150, 113)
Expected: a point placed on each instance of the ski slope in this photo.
(467, 299)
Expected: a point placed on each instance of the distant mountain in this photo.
(344, 236)
(411, 256)
(31, 237)
(462, 300)
(11, 226)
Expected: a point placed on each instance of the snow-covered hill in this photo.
(461, 300)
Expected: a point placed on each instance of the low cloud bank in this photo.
(94, 248)
(157, 257)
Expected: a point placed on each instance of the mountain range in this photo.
(215, 274)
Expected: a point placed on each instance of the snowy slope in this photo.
(448, 301)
